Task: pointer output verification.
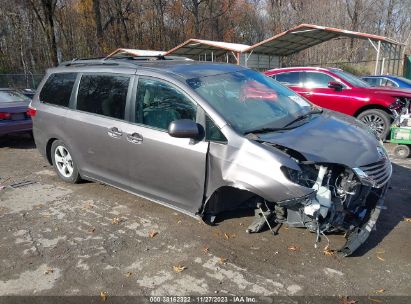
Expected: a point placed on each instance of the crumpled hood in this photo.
(330, 137)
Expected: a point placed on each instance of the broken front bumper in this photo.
(361, 234)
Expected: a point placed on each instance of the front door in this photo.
(164, 168)
(316, 90)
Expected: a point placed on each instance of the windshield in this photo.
(351, 79)
(249, 100)
(11, 96)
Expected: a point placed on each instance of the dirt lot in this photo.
(62, 239)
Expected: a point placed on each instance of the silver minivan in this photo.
(206, 138)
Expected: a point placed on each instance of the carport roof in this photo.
(134, 52)
(195, 47)
(305, 36)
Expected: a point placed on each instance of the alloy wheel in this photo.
(375, 122)
(63, 160)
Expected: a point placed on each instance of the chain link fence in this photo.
(20, 81)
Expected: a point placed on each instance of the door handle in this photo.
(114, 132)
(307, 93)
(135, 138)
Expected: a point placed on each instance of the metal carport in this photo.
(199, 49)
(305, 36)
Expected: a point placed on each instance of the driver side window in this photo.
(159, 103)
(317, 80)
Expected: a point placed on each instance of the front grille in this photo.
(379, 172)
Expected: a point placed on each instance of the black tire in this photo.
(70, 174)
(402, 151)
(378, 120)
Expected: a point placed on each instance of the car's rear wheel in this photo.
(378, 120)
(63, 162)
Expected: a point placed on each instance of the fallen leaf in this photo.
(380, 251)
(292, 248)
(407, 219)
(205, 249)
(49, 270)
(179, 221)
(380, 258)
(179, 268)
(222, 260)
(152, 233)
(346, 300)
(88, 205)
(103, 295)
(327, 251)
(92, 230)
(241, 224)
(226, 235)
(128, 274)
(115, 221)
(382, 290)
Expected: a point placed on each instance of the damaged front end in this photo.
(342, 200)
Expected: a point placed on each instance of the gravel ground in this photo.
(62, 239)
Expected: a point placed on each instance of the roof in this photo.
(305, 36)
(195, 47)
(183, 68)
(134, 52)
(305, 68)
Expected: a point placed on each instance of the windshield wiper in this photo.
(286, 127)
(263, 130)
(304, 116)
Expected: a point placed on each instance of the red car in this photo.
(343, 92)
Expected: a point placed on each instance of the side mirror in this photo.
(335, 85)
(184, 128)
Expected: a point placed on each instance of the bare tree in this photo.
(45, 16)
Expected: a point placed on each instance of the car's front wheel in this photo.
(378, 120)
(63, 162)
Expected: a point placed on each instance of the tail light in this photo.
(31, 112)
(4, 116)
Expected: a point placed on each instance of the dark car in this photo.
(343, 92)
(14, 112)
(388, 81)
(206, 138)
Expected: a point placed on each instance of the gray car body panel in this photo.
(182, 173)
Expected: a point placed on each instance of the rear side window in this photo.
(103, 94)
(375, 82)
(289, 78)
(57, 89)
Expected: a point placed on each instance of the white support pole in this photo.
(212, 56)
(247, 57)
(378, 58)
(382, 66)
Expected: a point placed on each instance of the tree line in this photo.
(37, 34)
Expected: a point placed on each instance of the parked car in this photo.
(343, 92)
(205, 138)
(28, 93)
(388, 81)
(14, 116)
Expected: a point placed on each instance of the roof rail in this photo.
(120, 60)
